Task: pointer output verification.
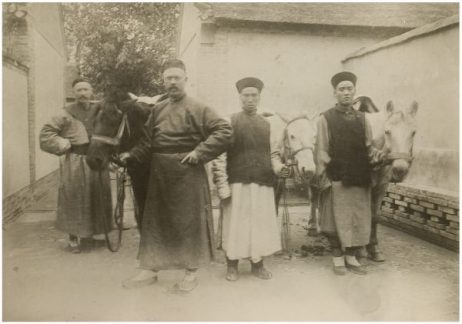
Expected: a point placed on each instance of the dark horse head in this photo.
(118, 126)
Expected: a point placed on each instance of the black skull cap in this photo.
(249, 82)
(173, 63)
(343, 76)
(80, 79)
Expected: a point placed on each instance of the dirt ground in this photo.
(42, 281)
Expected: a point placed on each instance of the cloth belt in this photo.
(172, 150)
(79, 149)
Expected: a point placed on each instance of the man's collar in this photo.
(343, 109)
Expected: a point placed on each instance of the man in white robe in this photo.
(244, 177)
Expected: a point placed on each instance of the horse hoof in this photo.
(313, 232)
(377, 257)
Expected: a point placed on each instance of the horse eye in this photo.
(387, 132)
(292, 136)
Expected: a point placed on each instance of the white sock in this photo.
(190, 275)
(339, 261)
(74, 243)
(351, 259)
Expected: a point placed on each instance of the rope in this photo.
(286, 240)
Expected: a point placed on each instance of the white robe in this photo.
(249, 227)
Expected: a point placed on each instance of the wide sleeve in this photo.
(375, 155)
(217, 133)
(220, 176)
(321, 154)
(50, 137)
(141, 151)
(276, 160)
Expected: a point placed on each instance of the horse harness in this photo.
(114, 141)
(289, 155)
(121, 182)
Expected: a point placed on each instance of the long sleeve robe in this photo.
(177, 231)
(345, 212)
(84, 199)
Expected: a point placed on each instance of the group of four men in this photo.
(181, 135)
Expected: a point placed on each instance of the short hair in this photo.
(174, 63)
(81, 79)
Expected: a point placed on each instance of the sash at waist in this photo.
(79, 149)
(172, 150)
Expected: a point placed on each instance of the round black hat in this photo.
(343, 76)
(174, 63)
(249, 82)
(80, 79)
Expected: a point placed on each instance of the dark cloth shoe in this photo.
(339, 270)
(75, 248)
(131, 284)
(232, 274)
(259, 271)
(360, 270)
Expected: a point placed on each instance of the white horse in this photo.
(393, 131)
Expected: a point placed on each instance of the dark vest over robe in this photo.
(249, 160)
(350, 163)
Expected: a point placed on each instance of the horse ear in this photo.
(285, 119)
(412, 110)
(390, 107)
(132, 95)
(312, 114)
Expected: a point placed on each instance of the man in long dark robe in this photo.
(84, 199)
(343, 157)
(180, 135)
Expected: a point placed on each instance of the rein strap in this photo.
(114, 141)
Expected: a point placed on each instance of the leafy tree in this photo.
(122, 43)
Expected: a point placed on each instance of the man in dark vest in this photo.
(244, 177)
(343, 157)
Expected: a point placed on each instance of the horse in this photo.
(294, 136)
(392, 131)
(118, 126)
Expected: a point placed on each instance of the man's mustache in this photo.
(172, 87)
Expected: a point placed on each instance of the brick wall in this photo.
(427, 213)
(17, 203)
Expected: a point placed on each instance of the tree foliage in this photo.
(122, 43)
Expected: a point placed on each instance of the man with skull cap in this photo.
(244, 177)
(81, 210)
(181, 135)
(343, 156)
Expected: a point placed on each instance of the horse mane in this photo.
(109, 105)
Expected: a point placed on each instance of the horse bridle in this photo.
(114, 141)
(291, 154)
